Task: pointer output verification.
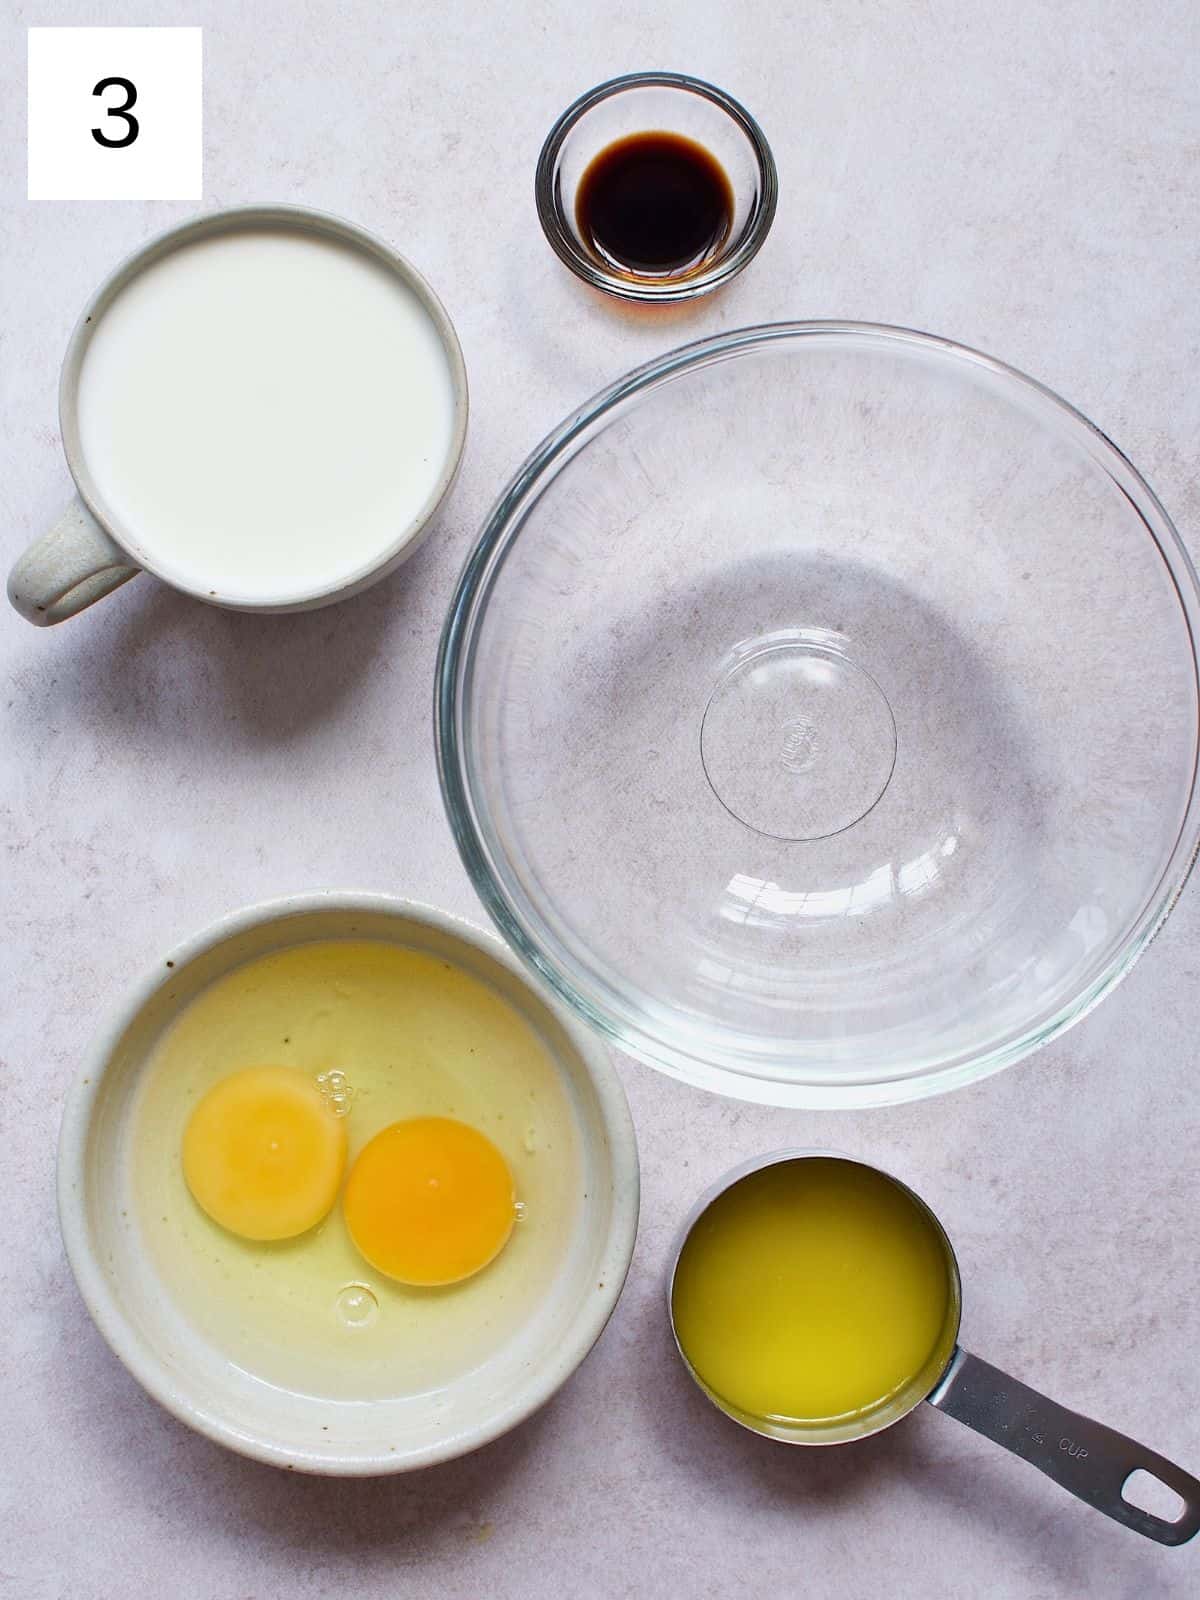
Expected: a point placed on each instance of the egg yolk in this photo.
(263, 1154)
(430, 1201)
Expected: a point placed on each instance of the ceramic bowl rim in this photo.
(156, 1376)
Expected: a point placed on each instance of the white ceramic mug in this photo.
(90, 551)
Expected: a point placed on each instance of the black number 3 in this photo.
(122, 111)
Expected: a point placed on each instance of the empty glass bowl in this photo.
(657, 102)
(818, 714)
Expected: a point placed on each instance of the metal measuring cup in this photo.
(1085, 1457)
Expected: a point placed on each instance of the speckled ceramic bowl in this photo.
(195, 1380)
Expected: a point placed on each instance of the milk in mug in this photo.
(264, 413)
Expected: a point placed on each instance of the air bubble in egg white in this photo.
(356, 1306)
(337, 1090)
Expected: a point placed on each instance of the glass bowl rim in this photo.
(934, 1072)
(670, 290)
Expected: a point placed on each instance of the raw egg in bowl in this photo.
(343, 1190)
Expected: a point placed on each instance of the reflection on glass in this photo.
(753, 901)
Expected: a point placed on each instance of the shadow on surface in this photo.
(922, 1461)
(330, 1516)
(153, 665)
(551, 343)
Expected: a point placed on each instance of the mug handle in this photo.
(68, 569)
(1092, 1461)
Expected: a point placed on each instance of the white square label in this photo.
(115, 114)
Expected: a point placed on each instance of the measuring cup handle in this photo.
(67, 569)
(1092, 1461)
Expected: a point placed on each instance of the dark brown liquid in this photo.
(654, 203)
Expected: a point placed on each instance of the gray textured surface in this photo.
(1023, 178)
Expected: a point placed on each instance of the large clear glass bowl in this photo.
(818, 714)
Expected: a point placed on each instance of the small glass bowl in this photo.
(657, 102)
